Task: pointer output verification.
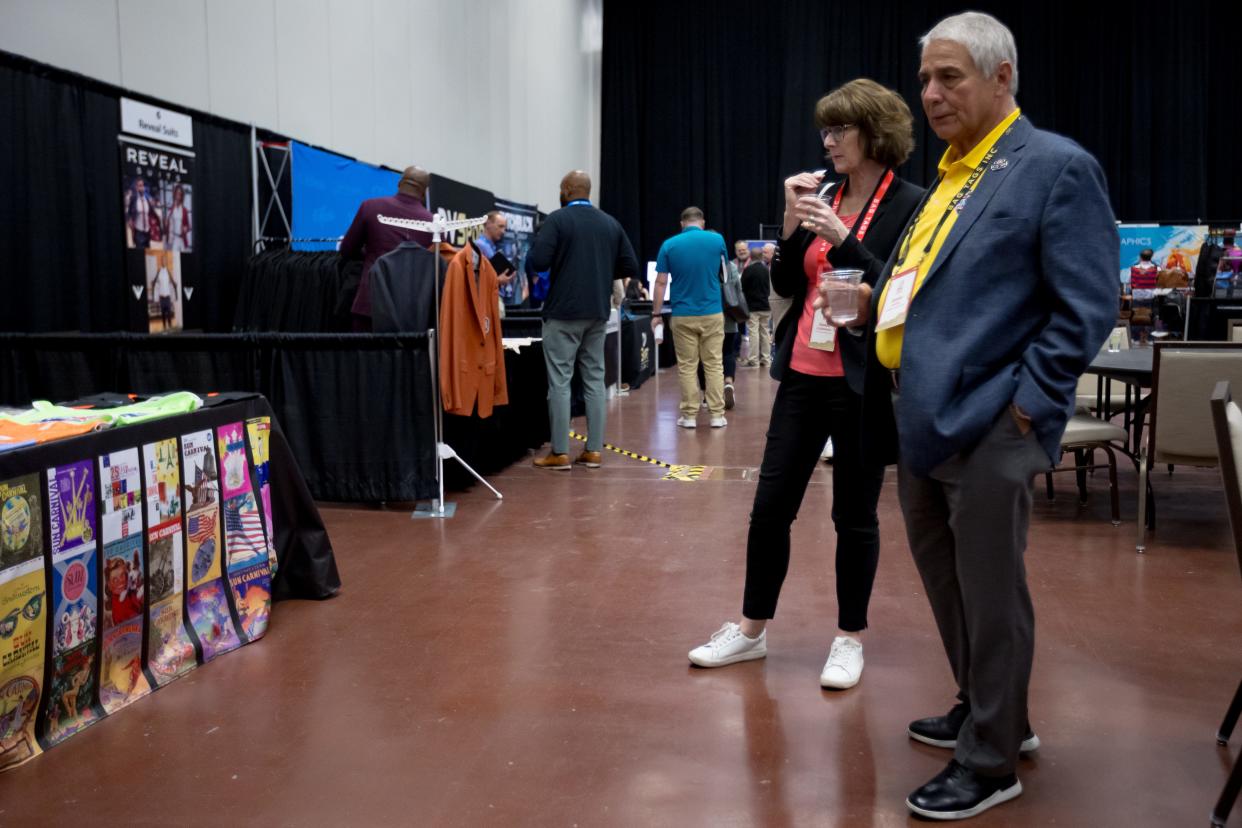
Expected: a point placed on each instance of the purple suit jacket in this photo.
(367, 239)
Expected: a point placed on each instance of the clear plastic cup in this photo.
(839, 288)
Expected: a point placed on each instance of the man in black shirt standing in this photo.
(756, 287)
(585, 251)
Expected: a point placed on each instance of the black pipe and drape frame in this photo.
(355, 408)
(1151, 92)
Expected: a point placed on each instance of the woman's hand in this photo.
(819, 218)
(796, 186)
(864, 306)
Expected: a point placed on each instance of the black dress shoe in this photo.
(941, 731)
(957, 792)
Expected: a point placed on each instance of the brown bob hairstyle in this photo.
(881, 115)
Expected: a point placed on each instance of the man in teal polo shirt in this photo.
(694, 258)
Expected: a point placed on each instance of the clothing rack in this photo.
(437, 227)
(263, 240)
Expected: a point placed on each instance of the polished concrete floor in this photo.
(524, 664)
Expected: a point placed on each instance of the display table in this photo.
(1133, 367)
(132, 555)
(357, 409)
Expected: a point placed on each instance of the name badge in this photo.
(823, 335)
(897, 297)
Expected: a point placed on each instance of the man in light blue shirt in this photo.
(694, 258)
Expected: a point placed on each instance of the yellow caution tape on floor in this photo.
(675, 472)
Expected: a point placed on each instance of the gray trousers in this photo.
(567, 343)
(967, 526)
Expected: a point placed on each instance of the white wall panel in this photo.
(500, 94)
(351, 46)
(241, 59)
(164, 49)
(80, 35)
(392, 60)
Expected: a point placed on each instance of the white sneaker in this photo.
(826, 454)
(687, 422)
(719, 422)
(845, 664)
(728, 646)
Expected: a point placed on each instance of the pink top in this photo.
(805, 359)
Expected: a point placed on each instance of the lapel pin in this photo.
(999, 164)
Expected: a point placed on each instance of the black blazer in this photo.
(789, 280)
(870, 255)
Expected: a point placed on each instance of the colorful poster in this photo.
(259, 430)
(243, 532)
(515, 244)
(212, 621)
(170, 652)
(252, 593)
(234, 471)
(23, 618)
(70, 706)
(75, 591)
(121, 680)
(206, 603)
(21, 521)
(158, 202)
(249, 572)
(1172, 246)
(124, 583)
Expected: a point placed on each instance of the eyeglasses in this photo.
(8, 625)
(837, 132)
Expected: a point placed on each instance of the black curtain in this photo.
(711, 103)
(62, 238)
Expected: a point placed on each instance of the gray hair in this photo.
(988, 40)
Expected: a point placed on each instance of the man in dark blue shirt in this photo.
(585, 251)
(695, 258)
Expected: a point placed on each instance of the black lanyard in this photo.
(954, 203)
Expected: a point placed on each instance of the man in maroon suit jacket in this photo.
(368, 239)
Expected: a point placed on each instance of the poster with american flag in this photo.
(243, 532)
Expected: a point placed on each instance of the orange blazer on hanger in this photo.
(472, 360)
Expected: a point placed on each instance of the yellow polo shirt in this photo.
(954, 173)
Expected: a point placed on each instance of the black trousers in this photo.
(807, 411)
(967, 523)
(728, 357)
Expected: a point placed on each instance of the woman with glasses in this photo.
(855, 222)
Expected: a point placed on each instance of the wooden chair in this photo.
(1227, 423)
(1180, 429)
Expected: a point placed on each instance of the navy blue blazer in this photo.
(1019, 300)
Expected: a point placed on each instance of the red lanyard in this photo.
(860, 228)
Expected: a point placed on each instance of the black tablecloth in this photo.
(307, 567)
(357, 409)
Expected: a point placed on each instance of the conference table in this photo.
(1133, 367)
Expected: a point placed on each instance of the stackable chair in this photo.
(1227, 421)
(1183, 376)
(1083, 435)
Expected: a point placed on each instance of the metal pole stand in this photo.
(438, 508)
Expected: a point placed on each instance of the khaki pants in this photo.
(760, 337)
(699, 339)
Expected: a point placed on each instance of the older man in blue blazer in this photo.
(1001, 292)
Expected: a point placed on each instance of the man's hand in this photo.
(657, 332)
(1021, 418)
(506, 277)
